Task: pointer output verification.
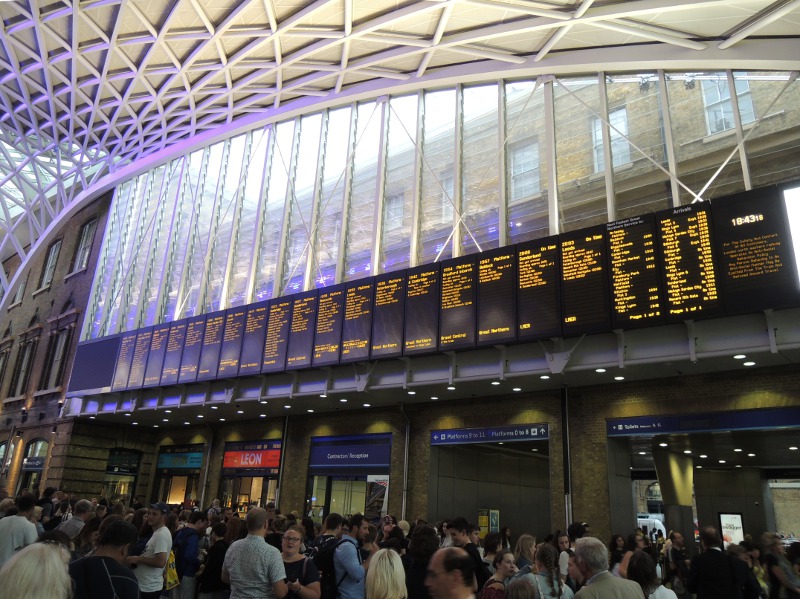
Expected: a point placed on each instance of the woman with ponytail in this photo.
(547, 579)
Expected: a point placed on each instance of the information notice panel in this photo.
(172, 357)
(636, 287)
(230, 351)
(301, 333)
(328, 330)
(94, 364)
(755, 252)
(388, 314)
(279, 319)
(140, 354)
(155, 359)
(357, 324)
(497, 296)
(690, 276)
(538, 289)
(192, 347)
(585, 301)
(458, 291)
(124, 359)
(422, 309)
(255, 328)
(212, 344)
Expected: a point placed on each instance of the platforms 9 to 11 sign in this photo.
(725, 257)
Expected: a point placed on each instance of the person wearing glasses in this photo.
(302, 574)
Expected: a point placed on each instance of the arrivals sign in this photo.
(494, 434)
(261, 456)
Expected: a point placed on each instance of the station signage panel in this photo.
(252, 458)
(495, 434)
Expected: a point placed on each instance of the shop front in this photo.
(122, 471)
(250, 474)
(348, 475)
(178, 473)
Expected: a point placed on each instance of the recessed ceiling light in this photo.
(186, 422)
(287, 407)
(343, 400)
(263, 401)
(662, 444)
(738, 465)
(199, 415)
(222, 420)
(619, 378)
(751, 455)
(412, 392)
(155, 426)
(451, 388)
(214, 408)
(323, 395)
(165, 420)
(739, 357)
(544, 377)
(600, 370)
(91, 417)
(262, 415)
(434, 397)
(127, 413)
(495, 382)
(517, 389)
(642, 453)
(793, 448)
(134, 423)
(366, 405)
(240, 411)
(168, 411)
(748, 364)
(687, 451)
(722, 461)
(702, 455)
(737, 450)
(699, 466)
(310, 411)
(500, 443)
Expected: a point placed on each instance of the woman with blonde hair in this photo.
(39, 570)
(523, 552)
(386, 578)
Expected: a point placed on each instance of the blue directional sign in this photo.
(508, 434)
(770, 418)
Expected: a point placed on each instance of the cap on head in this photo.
(161, 507)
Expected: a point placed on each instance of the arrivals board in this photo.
(141, 351)
(279, 321)
(496, 299)
(301, 332)
(754, 250)
(255, 328)
(212, 344)
(691, 287)
(192, 348)
(235, 319)
(328, 329)
(357, 325)
(457, 295)
(422, 309)
(124, 359)
(636, 287)
(585, 304)
(388, 315)
(155, 357)
(172, 357)
(538, 289)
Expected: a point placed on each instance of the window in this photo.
(717, 102)
(620, 148)
(84, 248)
(395, 205)
(20, 291)
(523, 165)
(5, 354)
(54, 366)
(50, 265)
(23, 367)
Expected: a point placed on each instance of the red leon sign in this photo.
(263, 458)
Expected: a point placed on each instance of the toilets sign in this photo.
(495, 434)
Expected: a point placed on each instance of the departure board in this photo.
(192, 348)
(584, 285)
(387, 316)
(155, 358)
(279, 320)
(140, 353)
(328, 330)
(301, 333)
(422, 309)
(255, 327)
(172, 357)
(212, 345)
(457, 295)
(235, 319)
(357, 326)
(538, 289)
(755, 253)
(497, 296)
(691, 286)
(124, 358)
(636, 288)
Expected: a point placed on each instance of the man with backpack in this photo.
(186, 547)
(351, 571)
(321, 551)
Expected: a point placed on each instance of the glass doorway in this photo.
(243, 492)
(119, 487)
(176, 489)
(347, 495)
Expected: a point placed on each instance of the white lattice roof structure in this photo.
(95, 91)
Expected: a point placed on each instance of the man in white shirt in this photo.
(150, 565)
(17, 531)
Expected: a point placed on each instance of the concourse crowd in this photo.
(58, 547)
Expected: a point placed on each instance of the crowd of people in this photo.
(61, 548)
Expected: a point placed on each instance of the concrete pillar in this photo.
(675, 474)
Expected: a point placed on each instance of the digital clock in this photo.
(745, 220)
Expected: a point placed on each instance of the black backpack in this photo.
(322, 551)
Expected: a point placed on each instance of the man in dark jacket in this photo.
(713, 573)
(186, 547)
